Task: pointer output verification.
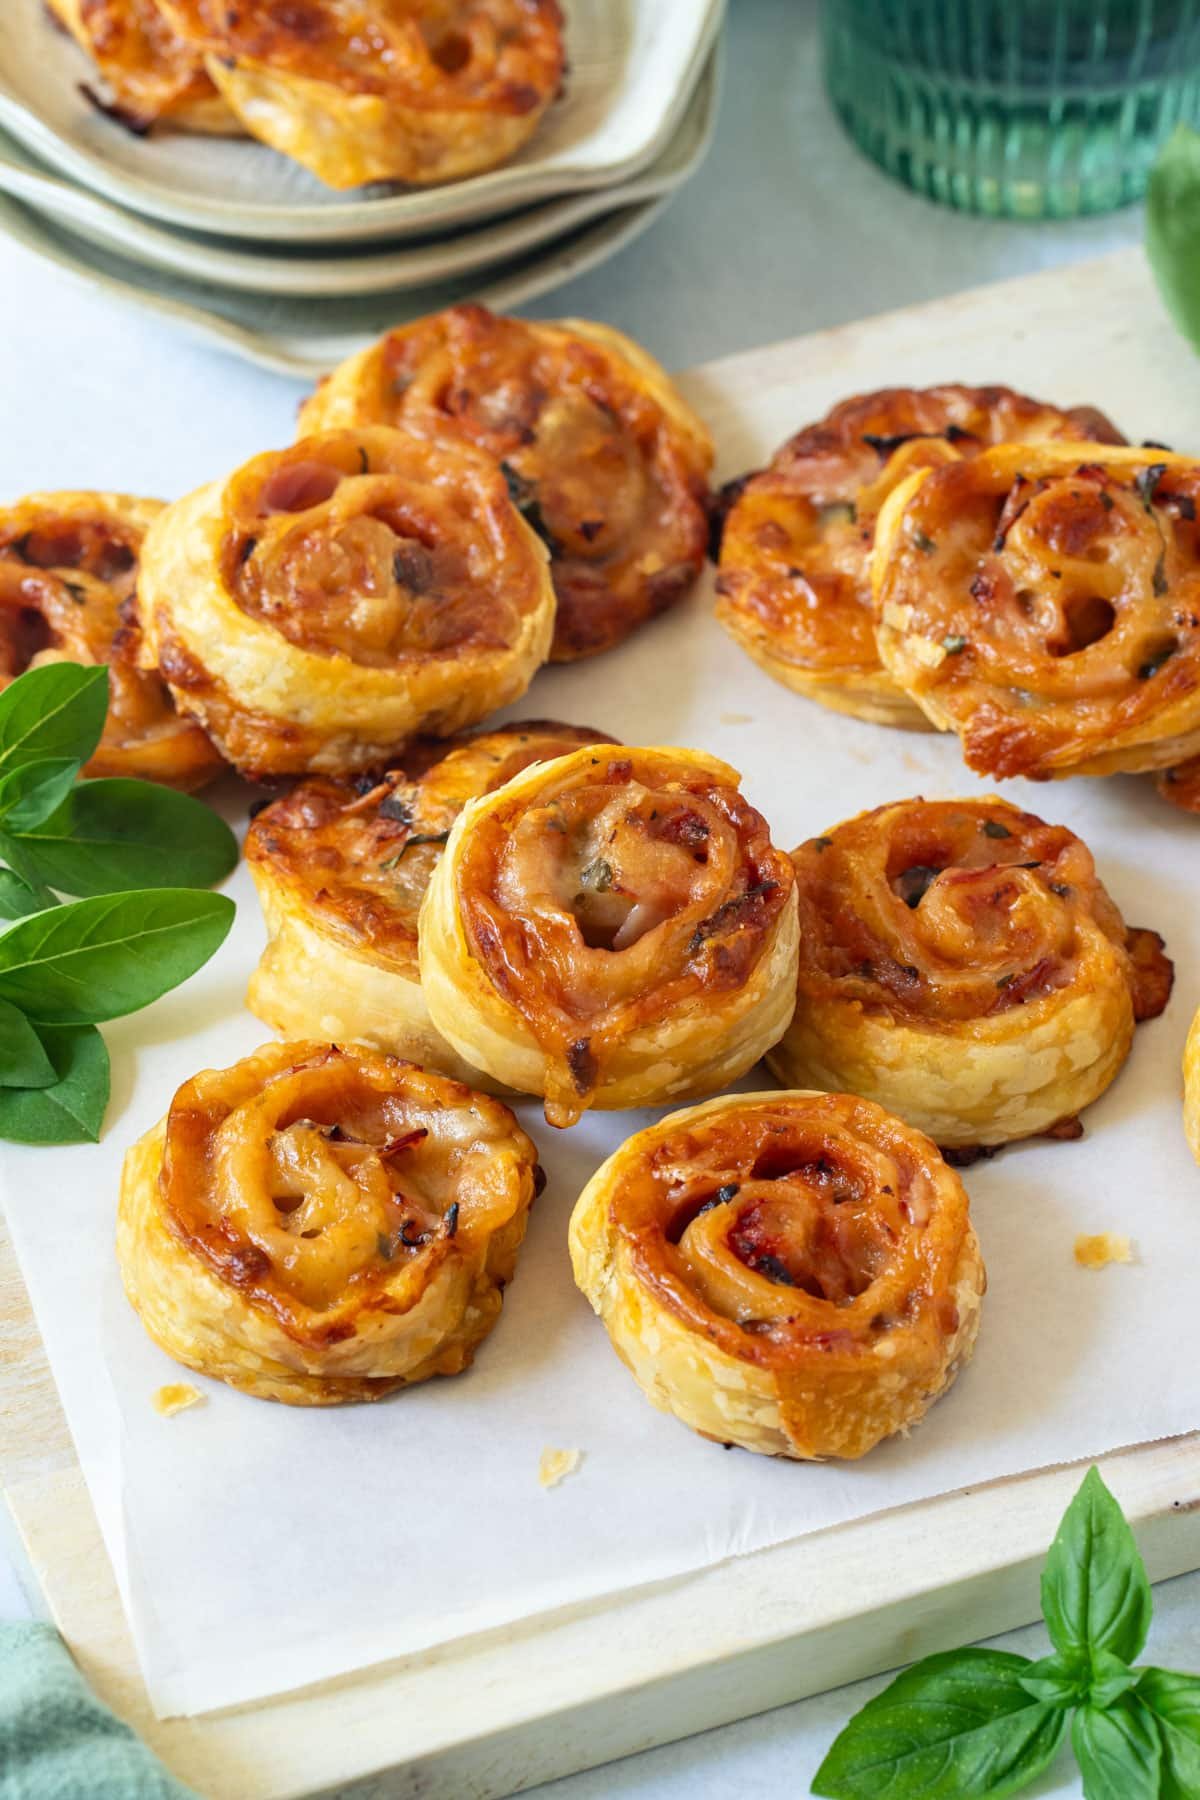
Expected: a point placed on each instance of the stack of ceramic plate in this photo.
(238, 243)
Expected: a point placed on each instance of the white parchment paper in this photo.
(261, 1547)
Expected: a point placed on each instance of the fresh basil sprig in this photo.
(136, 854)
(88, 837)
(71, 1109)
(973, 1723)
(54, 712)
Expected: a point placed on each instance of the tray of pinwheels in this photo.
(659, 1099)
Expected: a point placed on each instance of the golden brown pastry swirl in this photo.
(613, 929)
(794, 585)
(795, 1273)
(153, 75)
(962, 964)
(327, 603)
(1043, 601)
(341, 874)
(602, 455)
(317, 1224)
(68, 575)
(366, 90)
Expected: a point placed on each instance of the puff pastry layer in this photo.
(68, 573)
(341, 875)
(793, 587)
(1191, 1087)
(317, 1224)
(601, 454)
(154, 75)
(325, 604)
(1043, 601)
(612, 929)
(367, 90)
(795, 1273)
(962, 964)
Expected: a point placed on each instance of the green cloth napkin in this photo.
(56, 1740)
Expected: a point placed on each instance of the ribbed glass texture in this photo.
(1017, 108)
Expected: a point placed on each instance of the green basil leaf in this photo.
(1095, 1595)
(1110, 1678)
(118, 834)
(23, 1062)
(1118, 1751)
(51, 712)
(1173, 228)
(1175, 1702)
(20, 898)
(1060, 1679)
(33, 790)
(98, 959)
(953, 1727)
(71, 1111)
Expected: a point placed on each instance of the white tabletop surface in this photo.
(785, 230)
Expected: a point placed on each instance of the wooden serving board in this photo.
(503, 1711)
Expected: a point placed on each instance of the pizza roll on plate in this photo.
(429, 91)
(154, 75)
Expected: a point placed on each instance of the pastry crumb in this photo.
(926, 651)
(176, 1397)
(556, 1465)
(1105, 1247)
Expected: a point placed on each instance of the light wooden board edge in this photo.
(494, 1715)
(500, 1713)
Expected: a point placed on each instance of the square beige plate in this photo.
(505, 1709)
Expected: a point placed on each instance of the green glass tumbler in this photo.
(1017, 108)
